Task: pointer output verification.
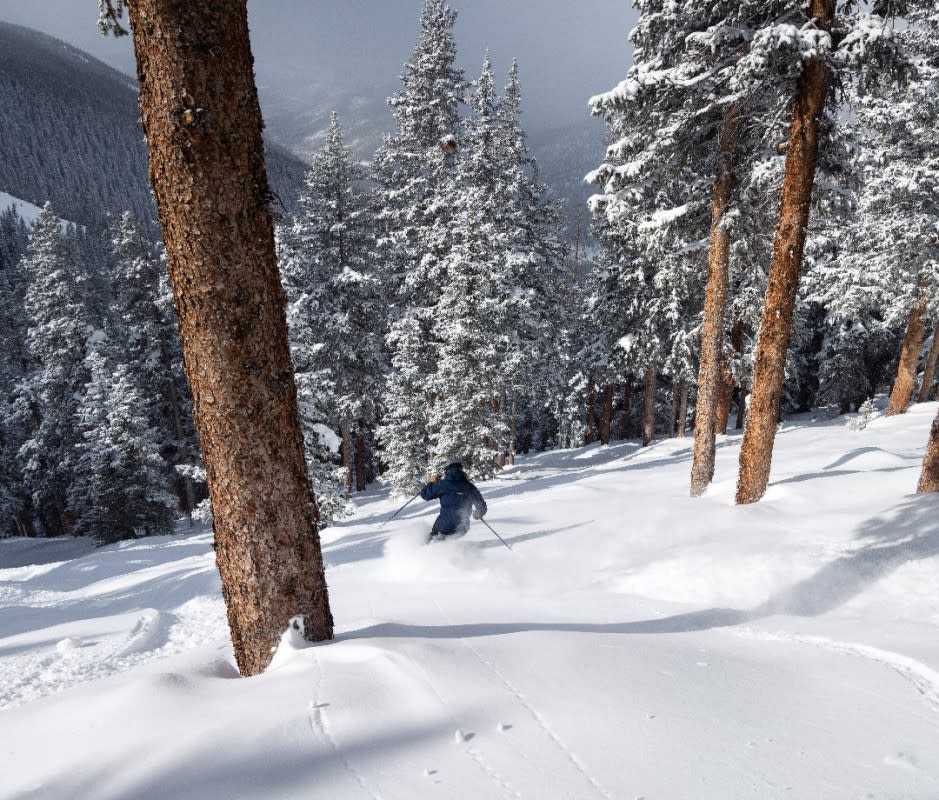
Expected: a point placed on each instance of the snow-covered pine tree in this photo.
(497, 306)
(414, 196)
(337, 301)
(47, 397)
(874, 273)
(534, 276)
(145, 337)
(903, 189)
(314, 392)
(15, 502)
(466, 421)
(693, 129)
(120, 486)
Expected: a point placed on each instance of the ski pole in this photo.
(400, 510)
(497, 535)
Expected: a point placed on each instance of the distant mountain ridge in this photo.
(70, 132)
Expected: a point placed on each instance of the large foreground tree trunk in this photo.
(929, 478)
(929, 368)
(202, 122)
(706, 417)
(788, 244)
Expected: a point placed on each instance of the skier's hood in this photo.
(454, 472)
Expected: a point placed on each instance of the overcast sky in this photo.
(568, 49)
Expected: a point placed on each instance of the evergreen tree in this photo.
(120, 486)
(465, 422)
(58, 329)
(533, 273)
(14, 498)
(142, 326)
(336, 315)
(414, 195)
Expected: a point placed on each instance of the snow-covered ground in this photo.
(635, 643)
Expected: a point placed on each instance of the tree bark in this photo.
(902, 391)
(607, 419)
(361, 452)
(929, 478)
(727, 378)
(681, 418)
(513, 431)
(929, 368)
(348, 460)
(706, 415)
(648, 406)
(202, 122)
(788, 244)
(588, 434)
(625, 427)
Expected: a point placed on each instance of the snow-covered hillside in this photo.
(634, 643)
(27, 211)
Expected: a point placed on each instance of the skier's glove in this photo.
(477, 515)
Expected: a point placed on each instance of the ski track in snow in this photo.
(473, 753)
(924, 679)
(494, 776)
(533, 713)
(320, 727)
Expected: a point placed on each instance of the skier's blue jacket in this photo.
(457, 498)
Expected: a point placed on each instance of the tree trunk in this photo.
(513, 431)
(625, 427)
(361, 452)
(681, 418)
(929, 368)
(788, 244)
(607, 419)
(929, 478)
(724, 399)
(741, 407)
(706, 415)
(902, 390)
(348, 460)
(648, 406)
(202, 122)
(588, 434)
(727, 378)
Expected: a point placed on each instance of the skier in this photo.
(458, 497)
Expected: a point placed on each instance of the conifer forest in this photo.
(206, 332)
(440, 309)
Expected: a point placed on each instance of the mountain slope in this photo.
(634, 643)
(69, 132)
